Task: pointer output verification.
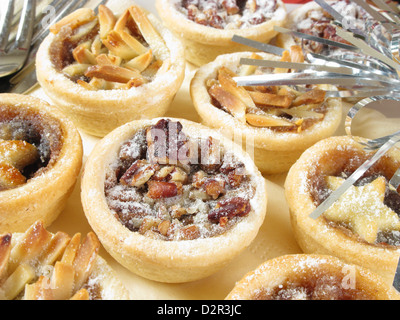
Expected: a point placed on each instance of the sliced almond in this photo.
(122, 21)
(141, 62)
(15, 283)
(82, 294)
(62, 281)
(246, 70)
(82, 55)
(296, 54)
(305, 114)
(85, 85)
(112, 73)
(270, 99)
(285, 58)
(313, 96)
(225, 78)
(85, 259)
(133, 43)
(265, 120)
(74, 20)
(107, 21)
(40, 290)
(75, 69)
(35, 240)
(229, 102)
(5, 249)
(117, 46)
(154, 40)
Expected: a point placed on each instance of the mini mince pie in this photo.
(40, 160)
(207, 26)
(40, 265)
(171, 200)
(107, 69)
(363, 225)
(276, 123)
(311, 277)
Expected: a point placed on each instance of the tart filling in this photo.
(169, 186)
(29, 145)
(369, 210)
(227, 14)
(311, 277)
(279, 108)
(106, 52)
(318, 22)
(39, 265)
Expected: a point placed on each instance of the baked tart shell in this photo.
(98, 112)
(44, 196)
(274, 152)
(314, 235)
(279, 270)
(159, 260)
(203, 44)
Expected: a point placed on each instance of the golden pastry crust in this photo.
(274, 151)
(40, 265)
(311, 277)
(203, 43)
(98, 110)
(44, 195)
(152, 257)
(330, 157)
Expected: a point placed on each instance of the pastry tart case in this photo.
(275, 237)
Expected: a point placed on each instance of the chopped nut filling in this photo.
(227, 14)
(29, 145)
(106, 52)
(318, 23)
(369, 210)
(44, 266)
(169, 186)
(313, 285)
(281, 108)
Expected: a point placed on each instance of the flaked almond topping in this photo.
(266, 120)
(129, 42)
(267, 106)
(310, 97)
(229, 102)
(107, 21)
(113, 73)
(270, 99)
(74, 20)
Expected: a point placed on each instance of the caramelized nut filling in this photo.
(169, 186)
(227, 14)
(375, 209)
(29, 145)
(318, 23)
(312, 285)
(280, 108)
(106, 52)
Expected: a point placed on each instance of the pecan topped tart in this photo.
(278, 122)
(363, 225)
(107, 69)
(40, 265)
(172, 200)
(312, 19)
(311, 277)
(207, 27)
(40, 160)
